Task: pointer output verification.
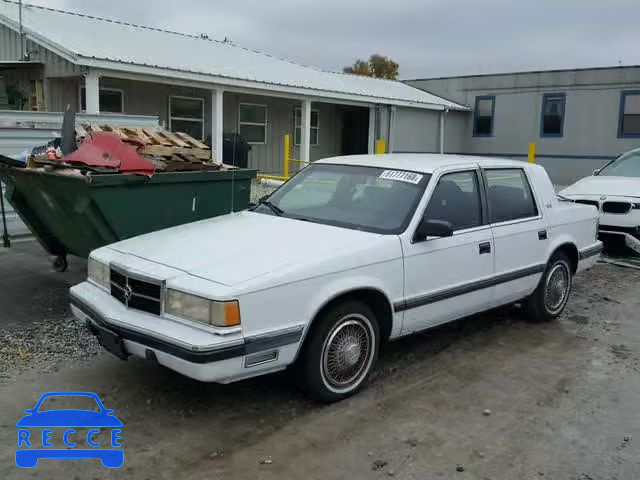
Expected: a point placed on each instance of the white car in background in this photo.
(615, 192)
(349, 254)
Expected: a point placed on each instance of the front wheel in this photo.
(550, 297)
(340, 352)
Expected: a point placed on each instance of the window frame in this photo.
(623, 97)
(545, 98)
(187, 119)
(295, 127)
(100, 89)
(534, 196)
(255, 124)
(493, 115)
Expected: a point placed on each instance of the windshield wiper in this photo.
(274, 208)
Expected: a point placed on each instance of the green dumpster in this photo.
(74, 214)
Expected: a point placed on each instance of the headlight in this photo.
(192, 307)
(98, 272)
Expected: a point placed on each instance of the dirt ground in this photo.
(488, 397)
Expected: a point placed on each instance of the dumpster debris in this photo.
(104, 149)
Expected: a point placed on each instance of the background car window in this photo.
(509, 195)
(456, 199)
(628, 165)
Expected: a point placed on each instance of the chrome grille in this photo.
(135, 292)
(616, 207)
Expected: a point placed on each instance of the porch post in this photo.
(92, 92)
(216, 125)
(372, 129)
(305, 140)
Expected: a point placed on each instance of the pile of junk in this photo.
(97, 184)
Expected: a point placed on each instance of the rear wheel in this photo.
(340, 352)
(550, 297)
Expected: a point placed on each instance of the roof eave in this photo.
(217, 80)
(39, 39)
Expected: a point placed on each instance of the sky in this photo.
(428, 38)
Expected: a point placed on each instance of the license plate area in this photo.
(111, 341)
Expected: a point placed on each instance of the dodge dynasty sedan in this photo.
(349, 254)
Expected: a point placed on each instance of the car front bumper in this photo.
(190, 351)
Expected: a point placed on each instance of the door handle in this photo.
(484, 247)
(542, 235)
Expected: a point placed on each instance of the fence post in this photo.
(287, 154)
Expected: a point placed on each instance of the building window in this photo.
(252, 120)
(315, 126)
(483, 116)
(110, 100)
(186, 114)
(552, 122)
(629, 123)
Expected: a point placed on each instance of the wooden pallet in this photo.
(156, 141)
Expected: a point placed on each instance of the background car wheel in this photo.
(340, 352)
(550, 297)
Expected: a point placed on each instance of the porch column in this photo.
(392, 129)
(216, 125)
(305, 139)
(372, 130)
(92, 92)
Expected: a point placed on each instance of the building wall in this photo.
(592, 109)
(418, 131)
(146, 98)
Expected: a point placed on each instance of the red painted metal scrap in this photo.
(105, 149)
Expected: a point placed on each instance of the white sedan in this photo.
(615, 192)
(349, 254)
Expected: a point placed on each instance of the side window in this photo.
(509, 194)
(456, 199)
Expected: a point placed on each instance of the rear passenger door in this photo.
(519, 232)
(445, 277)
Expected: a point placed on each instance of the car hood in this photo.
(69, 418)
(604, 185)
(234, 248)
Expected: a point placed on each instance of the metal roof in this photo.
(103, 43)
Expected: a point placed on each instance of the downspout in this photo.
(21, 31)
(443, 113)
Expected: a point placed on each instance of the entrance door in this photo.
(355, 130)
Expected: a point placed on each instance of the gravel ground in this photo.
(259, 190)
(491, 397)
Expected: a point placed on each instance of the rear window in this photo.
(510, 196)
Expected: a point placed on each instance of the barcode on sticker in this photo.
(401, 176)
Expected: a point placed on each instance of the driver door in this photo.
(446, 278)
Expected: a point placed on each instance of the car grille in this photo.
(136, 293)
(616, 207)
(589, 202)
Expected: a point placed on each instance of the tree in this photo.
(377, 66)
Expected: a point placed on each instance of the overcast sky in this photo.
(426, 37)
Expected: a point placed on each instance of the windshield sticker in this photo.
(409, 177)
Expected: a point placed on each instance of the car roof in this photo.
(420, 162)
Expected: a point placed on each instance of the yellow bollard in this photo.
(287, 154)
(380, 147)
(532, 152)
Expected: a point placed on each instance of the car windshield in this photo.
(65, 402)
(627, 165)
(362, 198)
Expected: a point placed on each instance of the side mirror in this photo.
(596, 171)
(433, 228)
